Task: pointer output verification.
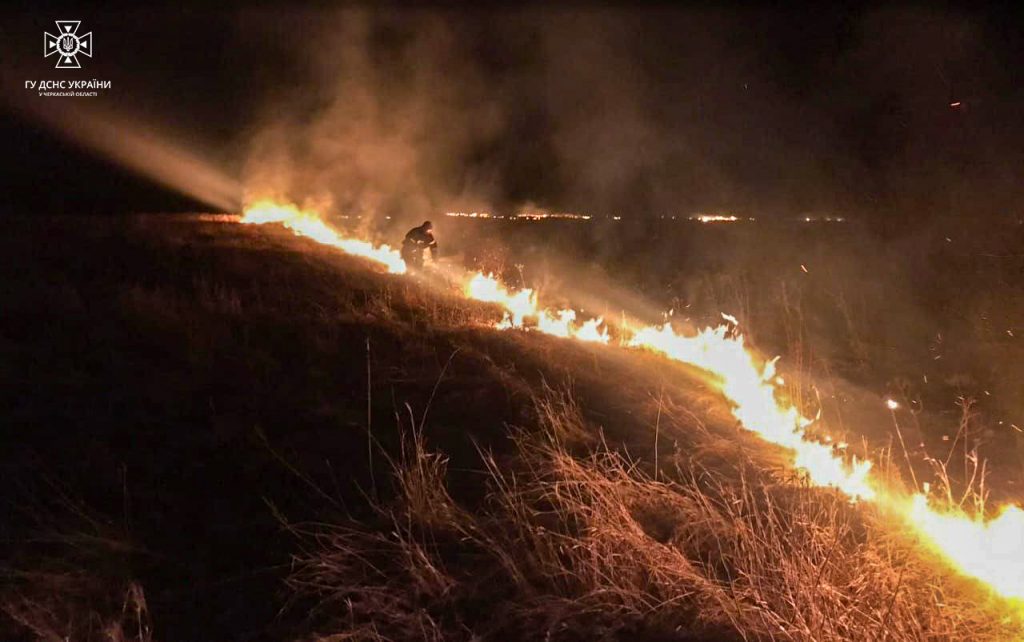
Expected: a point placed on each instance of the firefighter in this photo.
(417, 241)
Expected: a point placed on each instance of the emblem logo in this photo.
(67, 44)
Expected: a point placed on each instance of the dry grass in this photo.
(568, 538)
(575, 541)
(63, 604)
(73, 579)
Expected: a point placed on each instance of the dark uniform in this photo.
(418, 240)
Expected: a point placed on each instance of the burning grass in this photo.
(633, 507)
(987, 550)
(578, 541)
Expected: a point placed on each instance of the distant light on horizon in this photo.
(716, 218)
(541, 215)
(525, 216)
(471, 215)
(823, 219)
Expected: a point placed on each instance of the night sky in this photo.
(885, 111)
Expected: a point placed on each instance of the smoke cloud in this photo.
(641, 113)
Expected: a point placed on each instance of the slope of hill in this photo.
(218, 431)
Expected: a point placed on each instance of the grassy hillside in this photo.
(216, 431)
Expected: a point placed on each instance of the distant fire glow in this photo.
(471, 215)
(991, 551)
(714, 218)
(523, 216)
(822, 219)
(569, 216)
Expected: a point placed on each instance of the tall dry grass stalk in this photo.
(576, 541)
(73, 579)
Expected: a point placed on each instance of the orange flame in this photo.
(522, 305)
(751, 390)
(517, 306)
(991, 551)
(310, 224)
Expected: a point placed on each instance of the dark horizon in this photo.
(894, 113)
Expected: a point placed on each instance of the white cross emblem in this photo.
(67, 44)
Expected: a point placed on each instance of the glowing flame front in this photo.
(990, 551)
(751, 390)
(309, 223)
(521, 306)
